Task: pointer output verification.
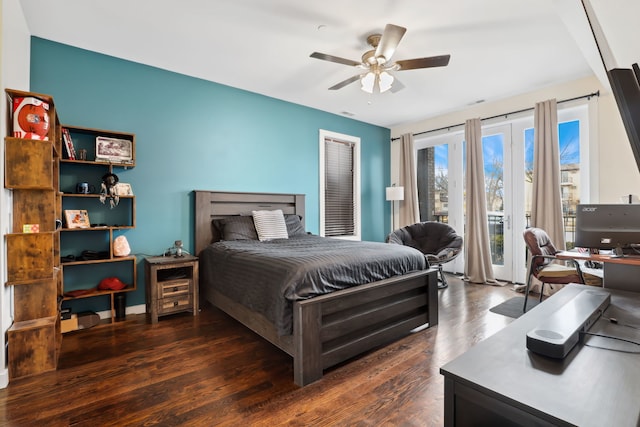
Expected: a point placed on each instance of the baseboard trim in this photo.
(134, 309)
(4, 378)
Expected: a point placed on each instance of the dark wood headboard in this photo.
(210, 205)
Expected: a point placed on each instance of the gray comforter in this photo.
(268, 276)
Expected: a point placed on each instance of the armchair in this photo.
(436, 240)
(542, 265)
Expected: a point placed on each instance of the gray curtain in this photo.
(409, 212)
(477, 256)
(546, 202)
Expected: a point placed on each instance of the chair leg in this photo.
(443, 280)
(526, 289)
(526, 294)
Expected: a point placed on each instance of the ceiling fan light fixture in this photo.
(385, 80)
(378, 82)
(367, 82)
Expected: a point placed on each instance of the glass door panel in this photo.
(496, 151)
(433, 183)
(439, 174)
(569, 149)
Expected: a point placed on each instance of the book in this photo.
(68, 144)
(30, 228)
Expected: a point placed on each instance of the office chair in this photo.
(542, 265)
(436, 240)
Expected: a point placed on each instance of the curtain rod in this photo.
(588, 96)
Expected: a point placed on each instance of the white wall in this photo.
(618, 172)
(15, 45)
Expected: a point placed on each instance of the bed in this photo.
(326, 329)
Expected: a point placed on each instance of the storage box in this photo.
(78, 321)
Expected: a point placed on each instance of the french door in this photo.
(507, 153)
(500, 197)
(439, 161)
(441, 169)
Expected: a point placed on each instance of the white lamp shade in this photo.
(395, 193)
(367, 82)
(385, 81)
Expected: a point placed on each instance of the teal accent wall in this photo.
(193, 134)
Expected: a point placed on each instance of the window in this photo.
(339, 185)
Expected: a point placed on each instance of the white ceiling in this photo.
(498, 48)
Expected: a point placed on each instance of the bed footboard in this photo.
(332, 328)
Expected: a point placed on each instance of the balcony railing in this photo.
(495, 222)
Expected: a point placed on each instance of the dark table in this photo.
(499, 382)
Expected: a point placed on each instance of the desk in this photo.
(618, 272)
(499, 382)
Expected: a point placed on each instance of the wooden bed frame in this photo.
(331, 328)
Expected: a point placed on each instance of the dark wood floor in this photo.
(209, 370)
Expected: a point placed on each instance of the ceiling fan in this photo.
(376, 63)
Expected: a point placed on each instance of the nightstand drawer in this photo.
(174, 288)
(172, 304)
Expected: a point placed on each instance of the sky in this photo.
(568, 136)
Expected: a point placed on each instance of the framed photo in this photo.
(124, 189)
(77, 218)
(113, 150)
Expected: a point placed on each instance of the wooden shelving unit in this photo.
(106, 222)
(33, 257)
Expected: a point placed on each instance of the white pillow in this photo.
(270, 225)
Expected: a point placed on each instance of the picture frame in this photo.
(77, 218)
(123, 189)
(113, 150)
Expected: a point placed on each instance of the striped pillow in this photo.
(270, 225)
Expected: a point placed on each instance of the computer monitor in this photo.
(602, 226)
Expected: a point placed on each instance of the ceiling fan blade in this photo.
(345, 82)
(397, 86)
(389, 41)
(432, 61)
(337, 59)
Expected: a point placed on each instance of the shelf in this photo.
(37, 207)
(101, 228)
(101, 215)
(85, 138)
(98, 293)
(95, 196)
(33, 323)
(100, 261)
(93, 162)
(39, 337)
(29, 257)
(31, 166)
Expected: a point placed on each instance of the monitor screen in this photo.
(625, 84)
(600, 226)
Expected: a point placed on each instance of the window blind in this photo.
(339, 188)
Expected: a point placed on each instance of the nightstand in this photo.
(171, 285)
